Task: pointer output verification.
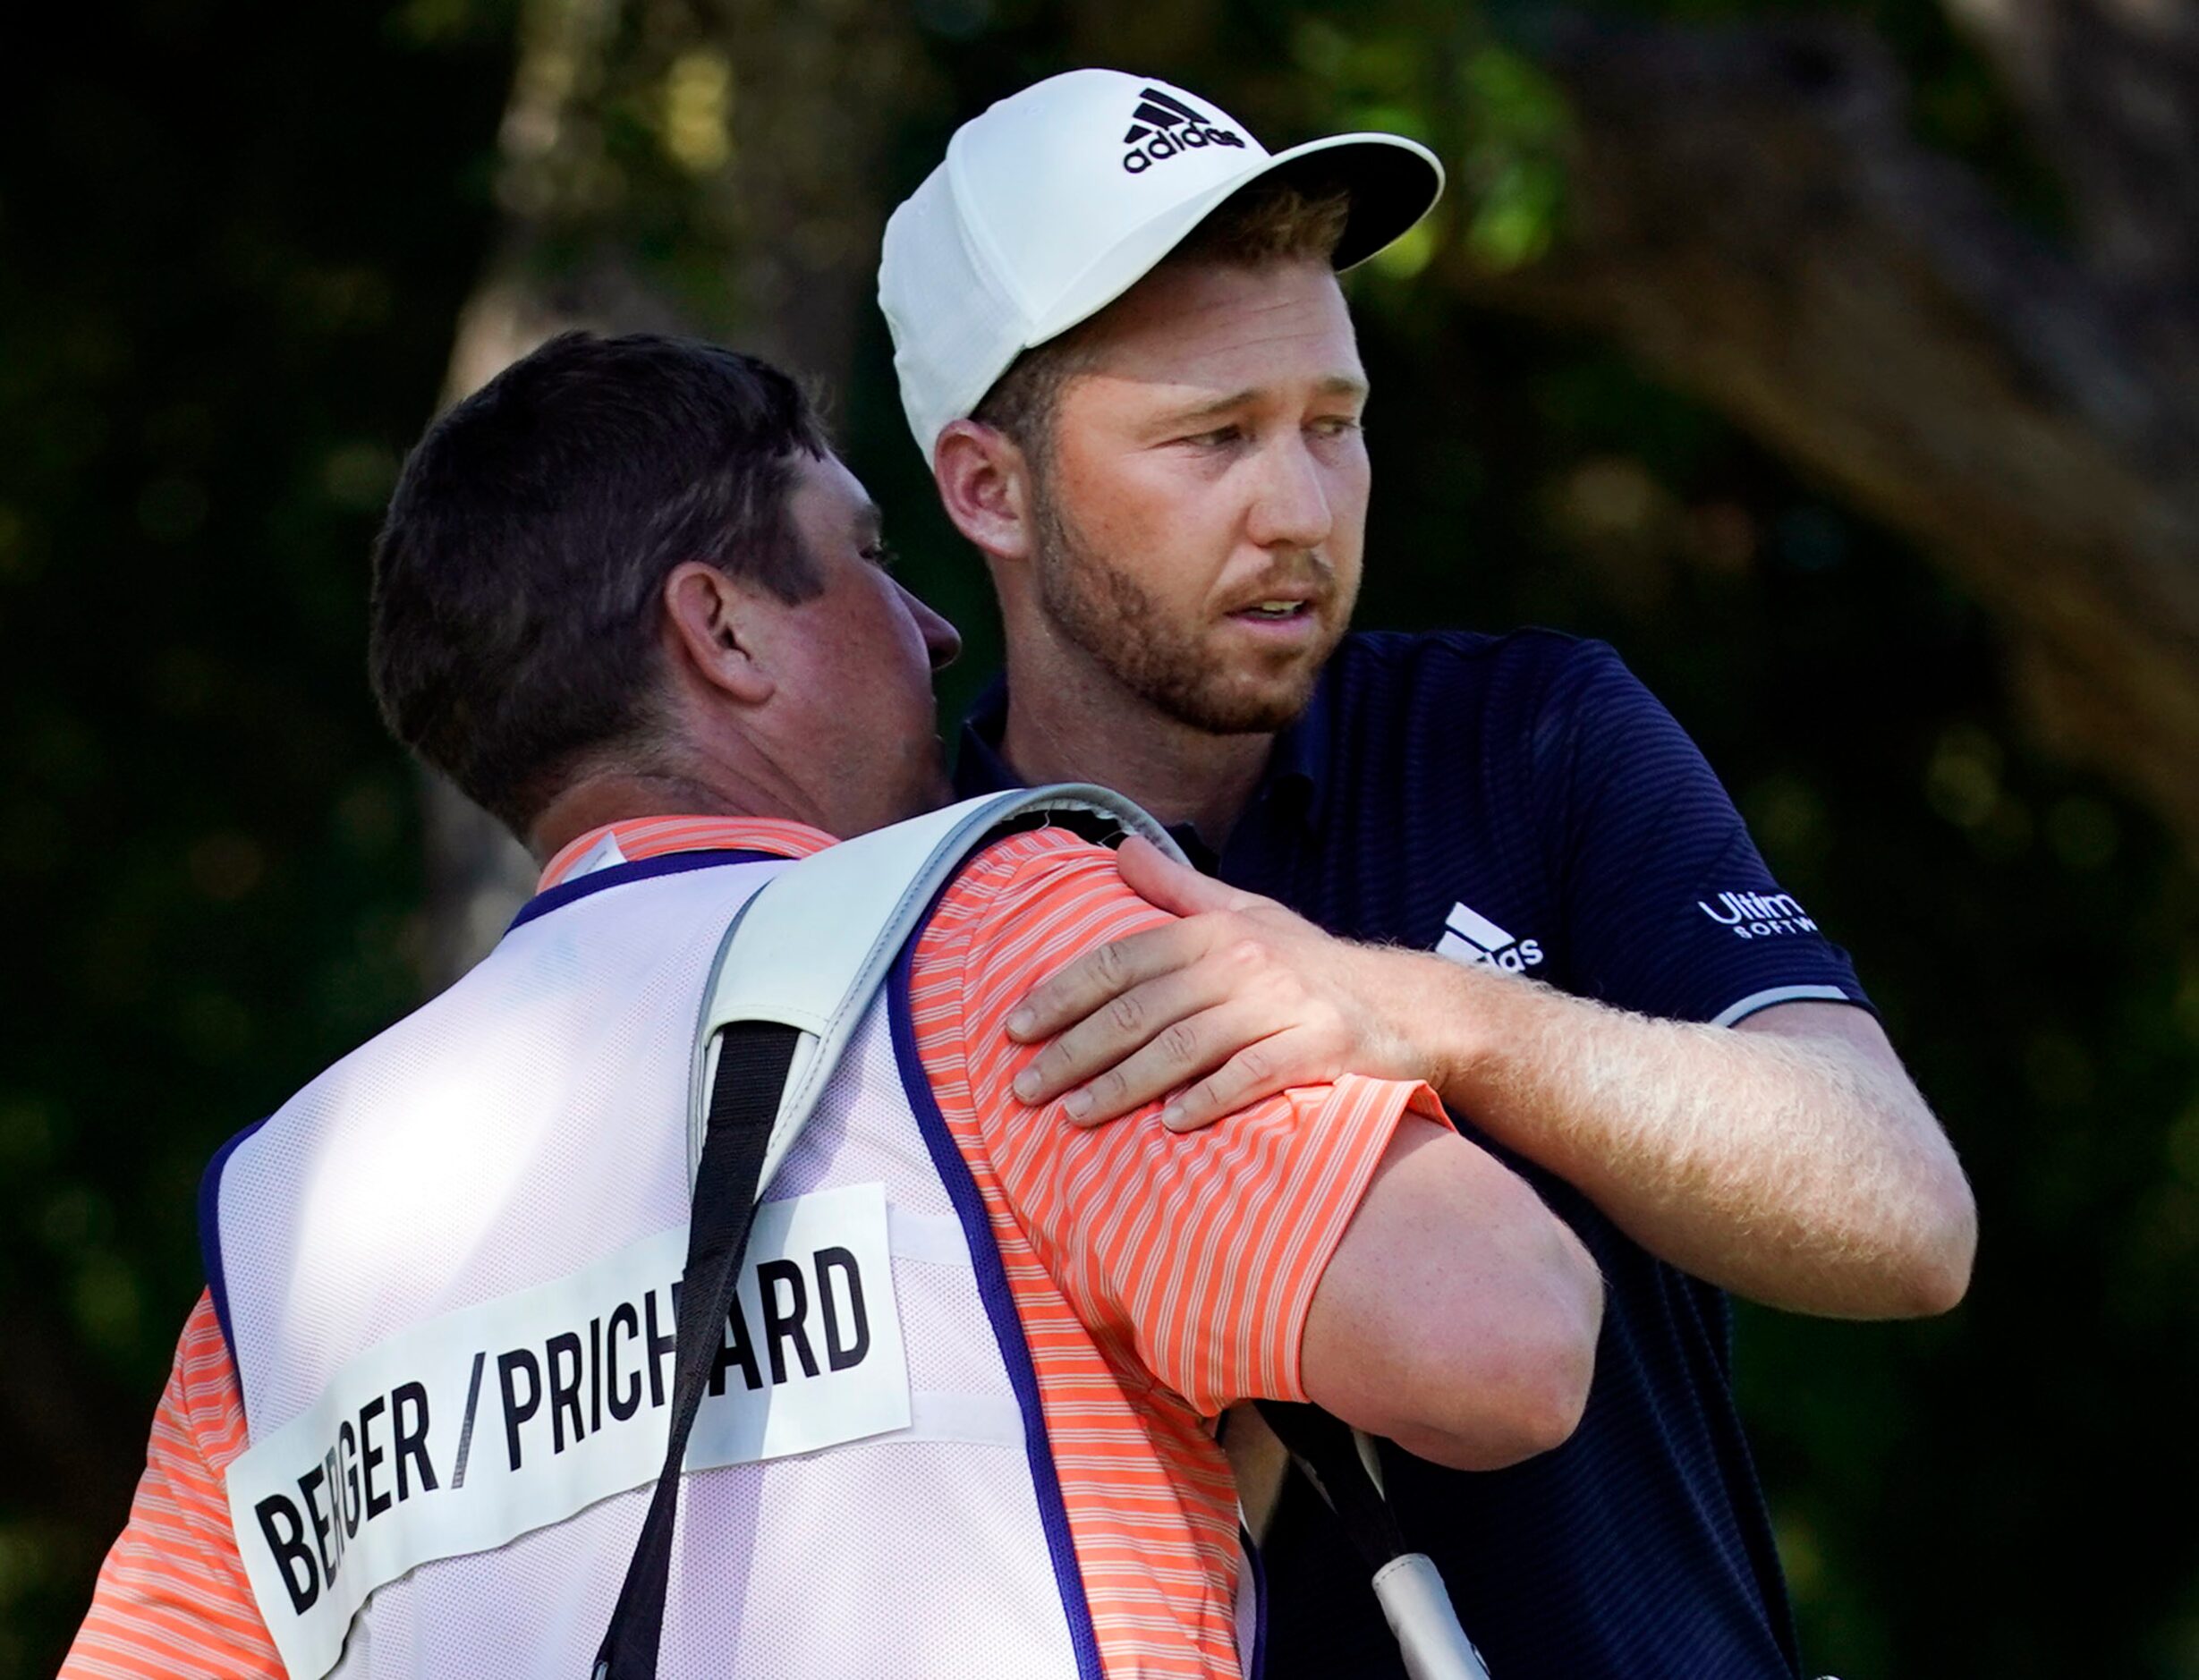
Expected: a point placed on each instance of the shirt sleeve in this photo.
(1201, 1251)
(1669, 908)
(172, 1596)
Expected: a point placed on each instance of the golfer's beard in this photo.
(1115, 623)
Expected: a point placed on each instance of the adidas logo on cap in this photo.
(1163, 125)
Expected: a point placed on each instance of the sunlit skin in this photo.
(1208, 459)
(820, 710)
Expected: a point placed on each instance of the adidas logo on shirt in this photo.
(1163, 125)
(1470, 937)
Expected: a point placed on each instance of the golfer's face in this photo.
(1211, 460)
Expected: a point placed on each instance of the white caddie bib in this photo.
(448, 1270)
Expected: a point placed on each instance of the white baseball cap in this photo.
(1058, 199)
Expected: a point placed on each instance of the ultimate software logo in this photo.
(1758, 915)
(1163, 125)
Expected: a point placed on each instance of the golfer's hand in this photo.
(1238, 1000)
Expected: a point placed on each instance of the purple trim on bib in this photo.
(992, 1282)
(1258, 1666)
(670, 863)
(209, 1232)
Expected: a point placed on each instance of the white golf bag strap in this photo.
(812, 946)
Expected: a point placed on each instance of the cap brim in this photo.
(1389, 181)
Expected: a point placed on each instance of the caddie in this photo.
(1123, 351)
(959, 1410)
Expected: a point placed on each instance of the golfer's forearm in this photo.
(1797, 1171)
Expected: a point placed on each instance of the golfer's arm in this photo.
(1459, 1315)
(1790, 1160)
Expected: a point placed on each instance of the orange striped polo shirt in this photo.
(1157, 1277)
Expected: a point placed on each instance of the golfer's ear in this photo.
(985, 486)
(717, 632)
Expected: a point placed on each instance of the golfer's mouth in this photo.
(1279, 611)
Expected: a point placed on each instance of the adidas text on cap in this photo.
(1058, 199)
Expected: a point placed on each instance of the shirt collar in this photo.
(643, 837)
(978, 766)
(1294, 771)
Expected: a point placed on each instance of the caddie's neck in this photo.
(1069, 720)
(598, 799)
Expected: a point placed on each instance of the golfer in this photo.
(1123, 349)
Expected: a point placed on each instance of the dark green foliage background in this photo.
(232, 244)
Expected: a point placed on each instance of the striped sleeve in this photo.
(1203, 1250)
(172, 1598)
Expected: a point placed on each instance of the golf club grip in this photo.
(1434, 1646)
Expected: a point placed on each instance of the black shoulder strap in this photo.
(753, 1059)
(1326, 1455)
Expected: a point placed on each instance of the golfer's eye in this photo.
(883, 555)
(1220, 438)
(1337, 426)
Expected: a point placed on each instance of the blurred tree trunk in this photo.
(1749, 214)
(741, 138)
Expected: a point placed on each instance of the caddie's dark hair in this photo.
(515, 608)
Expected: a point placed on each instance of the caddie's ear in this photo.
(713, 632)
(984, 483)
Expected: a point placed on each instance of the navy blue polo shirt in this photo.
(1523, 801)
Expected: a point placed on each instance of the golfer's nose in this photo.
(1291, 509)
